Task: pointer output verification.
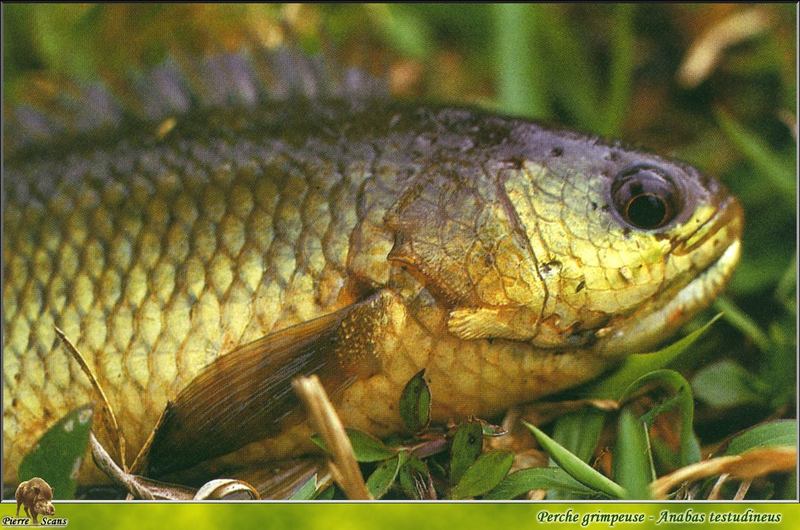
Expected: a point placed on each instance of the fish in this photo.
(209, 247)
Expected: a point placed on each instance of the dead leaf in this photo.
(747, 466)
(108, 421)
(706, 52)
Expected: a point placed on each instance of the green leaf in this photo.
(415, 403)
(413, 476)
(483, 475)
(307, 490)
(690, 449)
(384, 475)
(539, 478)
(741, 321)
(636, 365)
(633, 462)
(58, 454)
(770, 434)
(577, 468)
(736, 390)
(467, 446)
(764, 160)
(366, 448)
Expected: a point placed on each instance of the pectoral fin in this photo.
(246, 395)
(515, 323)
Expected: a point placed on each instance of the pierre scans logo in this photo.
(35, 496)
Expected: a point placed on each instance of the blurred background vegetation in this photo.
(712, 84)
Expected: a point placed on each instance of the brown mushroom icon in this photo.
(36, 496)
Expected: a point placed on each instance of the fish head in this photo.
(627, 245)
(559, 238)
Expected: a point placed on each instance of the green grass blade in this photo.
(622, 63)
(307, 490)
(770, 434)
(738, 388)
(786, 291)
(571, 75)
(690, 449)
(575, 467)
(520, 76)
(404, 29)
(741, 321)
(633, 462)
(326, 494)
(637, 365)
(580, 431)
(778, 172)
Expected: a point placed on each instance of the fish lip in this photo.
(718, 271)
(729, 214)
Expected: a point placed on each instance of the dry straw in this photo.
(326, 422)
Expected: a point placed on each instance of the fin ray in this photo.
(246, 395)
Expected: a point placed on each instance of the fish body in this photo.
(508, 260)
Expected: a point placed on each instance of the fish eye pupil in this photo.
(646, 211)
(645, 196)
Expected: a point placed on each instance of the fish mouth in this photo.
(652, 324)
(728, 215)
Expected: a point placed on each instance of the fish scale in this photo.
(179, 285)
(158, 254)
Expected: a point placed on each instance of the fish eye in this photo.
(645, 196)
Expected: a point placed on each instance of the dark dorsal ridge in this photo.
(172, 89)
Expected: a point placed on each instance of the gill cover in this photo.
(455, 229)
